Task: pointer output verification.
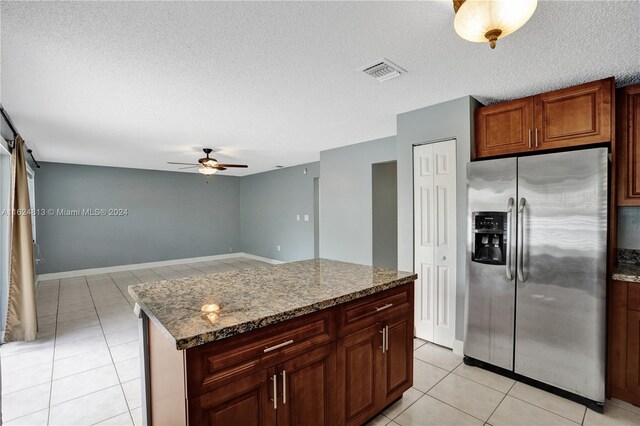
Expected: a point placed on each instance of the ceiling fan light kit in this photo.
(491, 20)
(207, 165)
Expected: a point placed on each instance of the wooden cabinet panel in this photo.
(628, 131)
(397, 373)
(617, 337)
(624, 342)
(371, 309)
(358, 361)
(633, 354)
(308, 395)
(577, 115)
(215, 364)
(504, 128)
(248, 401)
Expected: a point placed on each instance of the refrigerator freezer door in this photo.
(560, 302)
(491, 187)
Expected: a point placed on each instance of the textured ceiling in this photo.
(136, 84)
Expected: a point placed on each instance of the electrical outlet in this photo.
(306, 218)
(230, 249)
(278, 247)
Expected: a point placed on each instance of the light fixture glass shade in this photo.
(207, 170)
(490, 20)
(210, 162)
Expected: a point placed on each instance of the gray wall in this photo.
(346, 199)
(448, 120)
(170, 215)
(270, 202)
(385, 214)
(629, 228)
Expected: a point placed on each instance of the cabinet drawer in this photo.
(218, 363)
(633, 296)
(364, 312)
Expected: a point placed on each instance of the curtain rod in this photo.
(7, 120)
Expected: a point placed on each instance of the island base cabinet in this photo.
(375, 366)
(359, 360)
(248, 401)
(398, 358)
(300, 372)
(307, 389)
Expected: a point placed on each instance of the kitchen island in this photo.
(316, 342)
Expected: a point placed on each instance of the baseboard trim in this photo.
(458, 347)
(146, 265)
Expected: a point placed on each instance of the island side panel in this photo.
(167, 380)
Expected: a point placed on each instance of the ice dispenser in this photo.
(489, 237)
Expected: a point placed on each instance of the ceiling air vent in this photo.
(383, 70)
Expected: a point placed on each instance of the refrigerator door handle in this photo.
(520, 254)
(508, 257)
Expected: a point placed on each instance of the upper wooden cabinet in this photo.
(504, 128)
(578, 115)
(628, 127)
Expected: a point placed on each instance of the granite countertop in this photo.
(627, 272)
(253, 298)
(628, 268)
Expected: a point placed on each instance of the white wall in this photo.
(448, 120)
(346, 199)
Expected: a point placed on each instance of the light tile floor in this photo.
(84, 368)
(447, 392)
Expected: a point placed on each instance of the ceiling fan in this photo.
(208, 165)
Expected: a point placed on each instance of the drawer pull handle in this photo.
(382, 308)
(278, 346)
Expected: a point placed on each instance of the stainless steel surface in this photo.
(275, 391)
(384, 340)
(560, 324)
(519, 255)
(284, 387)
(509, 224)
(490, 294)
(278, 346)
(382, 308)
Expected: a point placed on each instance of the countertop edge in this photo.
(210, 337)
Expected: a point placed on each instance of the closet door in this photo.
(434, 170)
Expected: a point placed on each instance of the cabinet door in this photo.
(358, 361)
(307, 396)
(633, 354)
(504, 128)
(248, 401)
(576, 115)
(629, 146)
(396, 374)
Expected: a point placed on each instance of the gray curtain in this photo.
(22, 324)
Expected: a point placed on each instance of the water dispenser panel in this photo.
(489, 237)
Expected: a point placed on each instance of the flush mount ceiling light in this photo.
(490, 20)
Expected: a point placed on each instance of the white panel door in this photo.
(434, 176)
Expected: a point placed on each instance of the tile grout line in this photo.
(501, 401)
(549, 411)
(53, 356)
(109, 349)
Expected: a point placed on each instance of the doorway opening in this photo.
(384, 182)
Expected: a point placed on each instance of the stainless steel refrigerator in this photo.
(536, 258)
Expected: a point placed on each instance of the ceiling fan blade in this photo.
(233, 165)
(188, 167)
(184, 164)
